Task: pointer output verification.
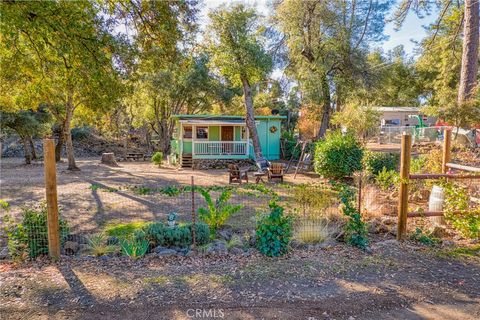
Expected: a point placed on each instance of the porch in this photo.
(220, 149)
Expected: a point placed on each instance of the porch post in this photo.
(194, 133)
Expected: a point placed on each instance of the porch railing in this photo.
(220, 147)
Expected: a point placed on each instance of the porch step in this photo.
(186, 160)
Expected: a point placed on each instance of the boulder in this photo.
(4, 253)
(167, 252)
(80, 239)
(109, 159)
(71, 248)
(225, 233)
(236, 250)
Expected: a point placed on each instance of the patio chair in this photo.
(276, 171)
(237, 174)
(262, 164)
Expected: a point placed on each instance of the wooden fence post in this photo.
(194, 222)
(403, 193)
(447, 143)
(51, 194)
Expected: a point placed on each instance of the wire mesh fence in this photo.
(393, 135)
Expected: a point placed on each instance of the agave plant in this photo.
(217, 212)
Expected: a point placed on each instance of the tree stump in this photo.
(109, 159)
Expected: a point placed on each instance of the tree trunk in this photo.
(326, 108)
(68, 138)
(32, 148)
(59, 145)
(26, 148)
(250, 118)
(468, 75)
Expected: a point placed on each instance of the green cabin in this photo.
(211, 137)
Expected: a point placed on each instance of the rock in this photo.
(438, 232)
(4, 253)
(368, 250)
(236, 250)
(217, 247)
(111, 241)
(252, 240)
(109, 159)
(80, 239)
(448, 243)
(167, 252)
(83, 248)
(327, 244)
(71, 247)
(226, 234)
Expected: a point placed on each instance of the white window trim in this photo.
(183, 132)
(208, 133)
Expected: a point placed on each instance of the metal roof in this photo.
(222, 117)
(397, 109)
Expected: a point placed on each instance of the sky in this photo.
(412, 29)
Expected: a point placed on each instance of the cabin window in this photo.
(187, 132)
(244, 133)
(202, 132)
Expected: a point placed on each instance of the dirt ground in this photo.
(396, 281)
(88, 209)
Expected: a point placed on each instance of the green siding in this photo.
(237, 133)
(214, 133)
(187, 146)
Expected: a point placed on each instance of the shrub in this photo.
(158, 234)
(30, 236)
(424, 238)
(135, 247)
(314, 230)
(338, 156)
(157, 158)
(171, 191)
(217, 213)
(81, 133)
(387, 179)
(355, 229)
(313, 198)
(458, 212)
(274, 232)
(98, 245)
(375, 162)
(124, 230)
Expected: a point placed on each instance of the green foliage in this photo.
(157, 158)
(338, 156)
(312, 197)
(81, 133)
(418, 164)
(171, 191)
(98, 245)
(424, 238)
(29, 238)
(358, 119)
(459, 213)
(355, 229)
(124, 230)
(134, 247)
(217, 212)
(142, 190)
(158, 234)
(387, 179)
(235, 44)
(4, 205)
(375, 162)
(274, 232)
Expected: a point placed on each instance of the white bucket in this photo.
(435, 203)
